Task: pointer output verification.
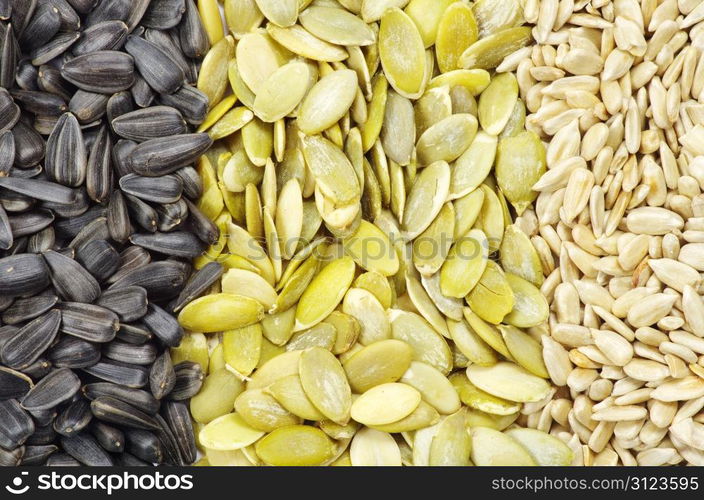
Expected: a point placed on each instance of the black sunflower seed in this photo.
(7, 152)
(162, 377)
(168, 42)
(29, 222)
(192, 183)
(162, 74)
(83, 6)
(72, 352)
(88, 322)
(120, 154)
(106, 10)
(43, 417)
(74, 418)
(40, 102)
(143, 355)
(66, 157)
(84, 448)
(162, 280)
(131, 258)
(26, 76)
(119, 104)
(171, 215)
(103, 71)
(44, 24)
(178, 418)
(22, 11)
(29, 145)
(71, 280)
(201, 225)
(31, 341)
(115, 411)
(70, 21)
(99, 168)
(165, 189)
(57, 387)
(164, 14)
(144, 445)
(8, 56)
(194, 39)
(25, 309)
(110, 438)
(149, 123)
(135, 333)
(42, 241)
(88, 106)
(189, 379)
(13, 384)
(96, 229)
(40, 190)
(11, 458)
(99, 258)
(70, 226)
(165, 155)
(168, 439)
(142, 93)
(175, 243)
(198, 284)
(6, 237)
(129, 303)
(38, 454)
(118, 219)
(42, 435)
(106, 35)
(62, 460)
(54, 48)
(190, 101)
(125, 374)
(140, 399)
(49, 79)
(164, 326)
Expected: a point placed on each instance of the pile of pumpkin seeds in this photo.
(380, 305)
(97, 229)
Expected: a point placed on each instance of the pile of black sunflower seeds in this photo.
(97, 229)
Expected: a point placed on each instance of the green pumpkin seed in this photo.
(428, 345)
(325, 384)
(497, 102)
(385, 403)
(452, 444)
(531, 307)
(300, 445)
(229, 432)
(402, 53)
(324, 293)
(378, 363)
(371, 447)
(457, 30)
(492, 298)
(433, 386)
(491, 447)
(289, 392)
(465, 264)
(328, 101)
(520, 162)
(222, 311)
(242, 348)
(508, 381)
